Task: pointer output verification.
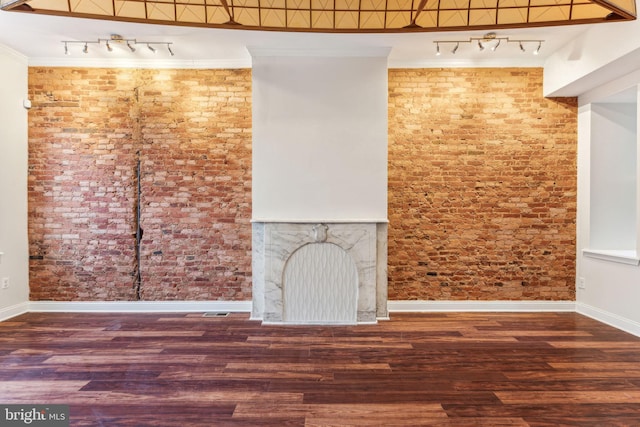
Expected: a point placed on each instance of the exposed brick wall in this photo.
(192, 129)
(482, 186)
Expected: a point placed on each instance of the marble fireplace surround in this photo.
(365, 243)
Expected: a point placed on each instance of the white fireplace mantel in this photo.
(325, 295)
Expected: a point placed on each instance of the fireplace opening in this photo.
(320, 284)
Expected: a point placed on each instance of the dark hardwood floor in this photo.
(471, 369)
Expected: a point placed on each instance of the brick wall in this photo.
(482, 186)
(192, 130)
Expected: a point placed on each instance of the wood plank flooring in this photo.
(439, 369)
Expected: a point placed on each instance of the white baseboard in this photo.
(13, 311)
(139, 306)
(418, 306)
(245, 306)
(624, 324)
(482, 306)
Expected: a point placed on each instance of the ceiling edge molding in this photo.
(532, 62)
(242, 63)
(140, 63)
(13, 53)
(361, 52)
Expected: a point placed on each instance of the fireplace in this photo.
(319, 185)
(319, 273)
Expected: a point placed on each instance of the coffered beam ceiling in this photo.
(341, 16)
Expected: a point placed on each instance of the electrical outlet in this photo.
(581, 283)
(5, 282)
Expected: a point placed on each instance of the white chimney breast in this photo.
(319, 126)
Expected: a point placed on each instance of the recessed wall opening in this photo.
(614, 169)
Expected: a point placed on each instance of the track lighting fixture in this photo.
(490, 40)
(116, 39)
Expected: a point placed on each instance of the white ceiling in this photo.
(39, 38)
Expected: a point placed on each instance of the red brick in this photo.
(82, 190)
(482, 186)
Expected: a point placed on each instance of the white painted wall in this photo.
(613, 182)
(13, 183)
(611, 291)
(319, 137)
(604, 52)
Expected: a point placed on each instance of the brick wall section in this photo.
(192, 131)
(482, 186)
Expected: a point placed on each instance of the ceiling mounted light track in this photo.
(116, 39)
(492, 41)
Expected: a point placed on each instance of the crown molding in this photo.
(14, 54)
(529, 62)
(140, 63)
(361, 52)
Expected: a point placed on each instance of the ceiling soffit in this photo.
(341, 16)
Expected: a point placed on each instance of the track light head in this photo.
(131, 48)
(535, 52)
(480, 46)
(109, 48)
(437, 49)
(495, 46)
(455, 49)
(151, 48)
(169, 49)
(521, 47)
(66, 50)
(85, 49)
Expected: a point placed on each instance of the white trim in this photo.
(247, 63)
(629, 257)
(485, 306)
(314, 323)
(359, 52)
(14, 53)
(619, 322)
(531, 62)
(611, 319)
(139, 306)
(13, 311)
(320, 221)
(140, 63)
